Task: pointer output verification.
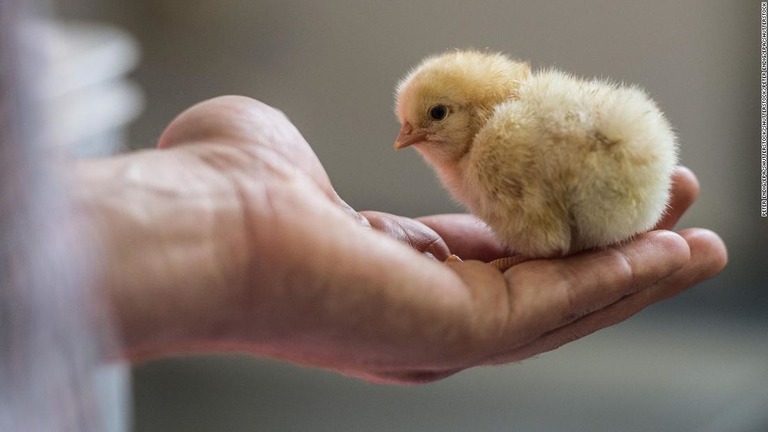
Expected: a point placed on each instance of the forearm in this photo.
(164, 237)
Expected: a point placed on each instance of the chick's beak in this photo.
(408, 136)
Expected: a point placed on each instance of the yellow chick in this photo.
(553, 164)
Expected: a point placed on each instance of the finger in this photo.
(708, 258)
(685, 189)
(466, 236)
(553, 293)
(409, 231)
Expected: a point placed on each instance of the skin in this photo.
(230, 238)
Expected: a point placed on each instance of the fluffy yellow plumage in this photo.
(552, 163)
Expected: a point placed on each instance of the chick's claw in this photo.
(501, 264)
(504, 264)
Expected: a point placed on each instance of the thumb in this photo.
(262, 131)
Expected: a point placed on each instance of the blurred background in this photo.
(698, 362)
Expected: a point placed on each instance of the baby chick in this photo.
(553, 164)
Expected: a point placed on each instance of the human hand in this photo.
(233, 239)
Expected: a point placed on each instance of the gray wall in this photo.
(332, 65)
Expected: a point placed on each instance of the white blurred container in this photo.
(89, 100)
(88, 103)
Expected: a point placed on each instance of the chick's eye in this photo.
(438, 112)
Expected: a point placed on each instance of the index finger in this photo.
(708, 257)
(549, 294)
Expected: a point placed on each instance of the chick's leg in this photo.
(501, 264)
